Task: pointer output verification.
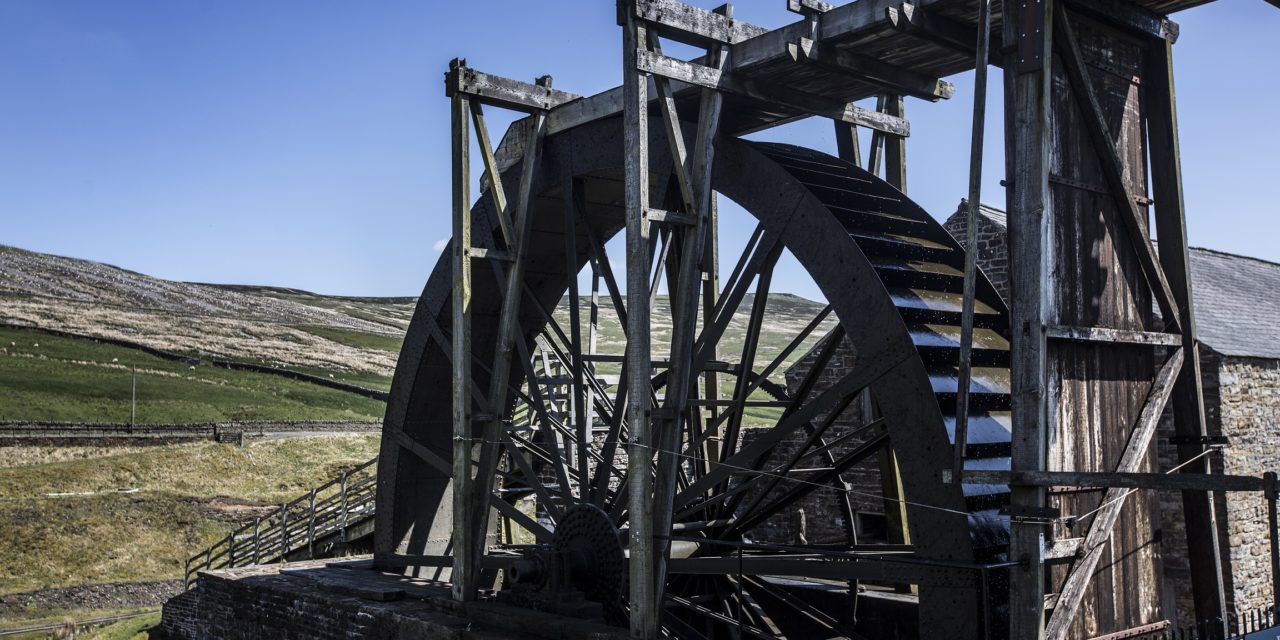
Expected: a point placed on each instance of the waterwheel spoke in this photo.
(807, 485)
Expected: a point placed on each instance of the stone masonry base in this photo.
(349, 600)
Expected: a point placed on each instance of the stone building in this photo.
(1237, 305)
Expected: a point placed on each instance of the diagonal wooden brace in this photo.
(1095, 541)
(1113, 168)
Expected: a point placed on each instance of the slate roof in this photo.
(1237, 302)
(1237, 299)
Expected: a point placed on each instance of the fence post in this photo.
(231, 550)
(311, 528)
(186, 573)
(284, 533)
(342, 488)
(257, 531)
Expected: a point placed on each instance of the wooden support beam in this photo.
(502, 92)
(635, 127)
(710, 78)
(692, 25)
(1027, 144)
(1181, 481)
(895, 145)
(1064, 548)
(883, 570)
(867, 68)
(847, 146)
(463, 577)
(492, 175)
(1135, 452)
(507, 336)
(1113, 336)
(1130, 17)
(977, 134)
(1203, 545)
(685, 295)
(1133, 220)
(913, 19)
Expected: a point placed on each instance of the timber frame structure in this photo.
(994, 530)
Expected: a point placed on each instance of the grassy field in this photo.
(132, 629)
(354, 338)
(139, 628)
(139, 515)
(65, 379)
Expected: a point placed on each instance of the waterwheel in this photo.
(756, 449)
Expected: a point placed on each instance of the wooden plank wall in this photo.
(1099, 389)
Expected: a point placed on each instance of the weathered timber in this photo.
(642, 597)
(920, 572)
(1027, 144)
(1106, 479)
(492, 173)
(1072, 594)
(977, 132)
(503, 92)
(1113, 168)
(889, 76)
(1203, 546)
(1129, 16)
(913, 19)
(1114, 336)
(463, 577)
(693, 25)
(812, 104)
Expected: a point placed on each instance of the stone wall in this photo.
(993, 258)
(346, 600)
(822, 515)
(1249, 406)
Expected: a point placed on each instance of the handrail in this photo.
(296, 525)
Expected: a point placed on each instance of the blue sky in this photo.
(305, 144)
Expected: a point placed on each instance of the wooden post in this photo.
(284, 533)
(847, 142)
(1188, 398)
(895, 148)
(644, 610)
(311, 527)
(257, 547)
(462, 576)
(346, 517)
(971, 239)
(1028, 82)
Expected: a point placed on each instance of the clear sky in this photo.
(305, 143)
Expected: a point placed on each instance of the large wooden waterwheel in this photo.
(892, 279)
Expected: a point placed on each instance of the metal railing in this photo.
(328, 509)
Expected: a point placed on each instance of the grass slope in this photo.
(183, 498)
(65, 379)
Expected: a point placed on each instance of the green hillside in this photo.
(51, 378)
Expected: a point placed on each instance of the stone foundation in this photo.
(350, 600)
